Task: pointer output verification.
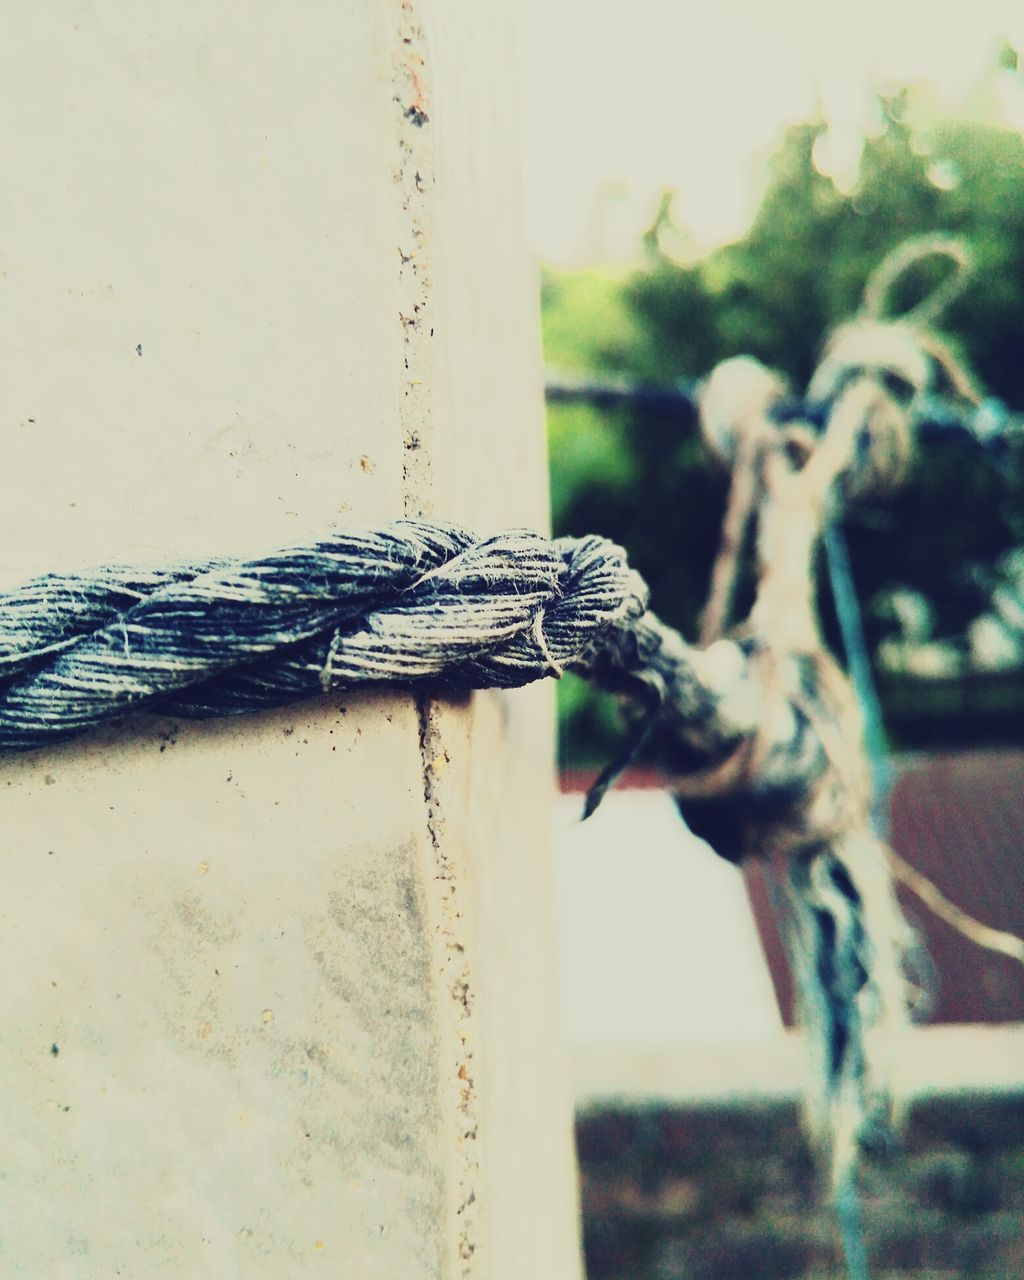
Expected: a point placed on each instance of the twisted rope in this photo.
(849, 944)
(762, 726)
(413, 603)
(417, 604)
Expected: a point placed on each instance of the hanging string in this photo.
(858, 664)
(982, 935)
(764, 726)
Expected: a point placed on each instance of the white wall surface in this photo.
(658, 948)
(278, 997)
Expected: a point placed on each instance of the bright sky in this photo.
(649, 94)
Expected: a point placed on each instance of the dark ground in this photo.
(732, 1194)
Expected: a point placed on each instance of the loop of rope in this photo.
(763, 724)
(847, 937)
(791, 473)
(883, 280)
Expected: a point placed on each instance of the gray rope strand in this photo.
(413, 604)
(418, 605)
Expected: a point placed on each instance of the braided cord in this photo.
(412, 603)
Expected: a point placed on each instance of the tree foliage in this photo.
(774, 294)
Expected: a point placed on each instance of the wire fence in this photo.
(991, 424)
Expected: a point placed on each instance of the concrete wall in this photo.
(278, 995)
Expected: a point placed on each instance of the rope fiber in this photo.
(761, 725)
(413, 603)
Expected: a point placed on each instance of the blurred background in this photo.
(703, 182)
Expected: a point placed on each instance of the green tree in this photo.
(774, 294)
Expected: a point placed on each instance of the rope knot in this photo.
(411, 604)
(735, 407)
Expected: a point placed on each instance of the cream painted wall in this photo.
(279, 995)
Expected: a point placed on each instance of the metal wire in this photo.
(991, 425)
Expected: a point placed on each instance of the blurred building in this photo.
(674, 975)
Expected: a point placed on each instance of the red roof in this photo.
(959, 819)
